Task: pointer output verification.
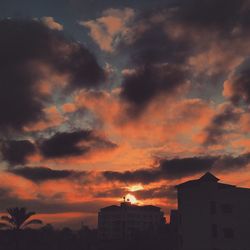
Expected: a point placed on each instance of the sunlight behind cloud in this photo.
(136, 187)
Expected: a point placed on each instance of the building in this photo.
(212, 215)
(127, 220)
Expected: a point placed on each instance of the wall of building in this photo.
(214, 216)
(126, 221)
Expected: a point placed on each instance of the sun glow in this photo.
(131, 198)
(135, 188)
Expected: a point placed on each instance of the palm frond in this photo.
(34, 222)
(17, 217)
(28, 215)
(4, 225)
(6, 218)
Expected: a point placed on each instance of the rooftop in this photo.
(209, 177)
(129, 205)
(206, 178)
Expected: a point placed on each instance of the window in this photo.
(228, 233)
(214, 231)
(212, 207)
(226, 208)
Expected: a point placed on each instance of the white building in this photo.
(126, 220)
(213, 215)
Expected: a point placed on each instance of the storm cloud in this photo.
(74, 144)
(158, 66)
(211, 14)
(41, 174)
(141, 86)
(15, 152)
(172, 169)
(175, 37)
(237, 87)
(216, 129)
(163, 191)
(27, 47)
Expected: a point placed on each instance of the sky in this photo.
(100, 99)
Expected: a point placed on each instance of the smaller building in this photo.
(127, 220)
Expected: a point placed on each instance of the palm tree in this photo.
(17, 219)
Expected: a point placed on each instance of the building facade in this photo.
(127, 220)
(212, 215)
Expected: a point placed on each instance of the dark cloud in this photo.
(40, 174)
(4, 192)
(229, 163)
(180, 167)
(149, 81)
(167, 169)
(111, 193)
(73, 144)
(141, 175)
(158, 64)
(211, 14)
(216, 129)
(164, 192)
(15, 152)
(176, 36)
(154, 45)
(24, 46)
(65, 144)
(239, 84)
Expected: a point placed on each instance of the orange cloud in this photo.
(242, 144)
(181, 116)
(245, 123)
(215, 59)
(228, 90)
(69, 107)
(51, 23)
(17, 186)
(111, 26)
(53, 118)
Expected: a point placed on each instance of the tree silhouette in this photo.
(17, 219)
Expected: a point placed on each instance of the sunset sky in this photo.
(101, 98)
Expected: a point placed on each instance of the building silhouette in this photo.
(212, 215)
(128, 220)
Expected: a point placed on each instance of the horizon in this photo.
(101, 99)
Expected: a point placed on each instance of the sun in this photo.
(131, 198)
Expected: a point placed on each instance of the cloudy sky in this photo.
(99, 99)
